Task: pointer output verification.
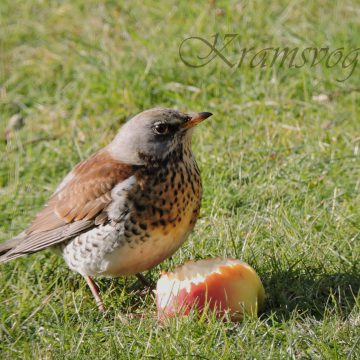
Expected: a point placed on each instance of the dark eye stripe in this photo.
(165, 128)
(173, 127)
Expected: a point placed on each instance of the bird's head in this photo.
(154, 135)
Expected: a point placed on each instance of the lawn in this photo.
(280, 162)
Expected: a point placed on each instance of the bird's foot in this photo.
(147, 283)
(95, 291)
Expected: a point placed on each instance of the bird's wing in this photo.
(78, 204)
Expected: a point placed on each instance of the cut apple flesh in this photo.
(224, 286)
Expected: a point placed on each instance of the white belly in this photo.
(104, 251)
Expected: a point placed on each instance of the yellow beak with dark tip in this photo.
(196, 119)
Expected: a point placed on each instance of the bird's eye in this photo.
(161, 128)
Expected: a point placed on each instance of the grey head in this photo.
(154, 135)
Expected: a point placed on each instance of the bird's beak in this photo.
(199, 117)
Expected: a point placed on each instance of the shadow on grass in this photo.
(135, 293)
(310, 292)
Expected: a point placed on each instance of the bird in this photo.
(127, 207)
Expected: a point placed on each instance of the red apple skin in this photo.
(237, 289)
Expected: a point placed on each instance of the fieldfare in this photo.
(126, 208)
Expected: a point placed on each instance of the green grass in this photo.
(281, 172)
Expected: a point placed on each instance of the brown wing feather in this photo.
(39, 241)
(85, 196)
(79, 205)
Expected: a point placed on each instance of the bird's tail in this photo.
(7, 246)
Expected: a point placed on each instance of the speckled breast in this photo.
(162, 209)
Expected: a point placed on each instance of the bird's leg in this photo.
(95, 291)
(144, 280)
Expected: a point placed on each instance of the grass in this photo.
(280, 168)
